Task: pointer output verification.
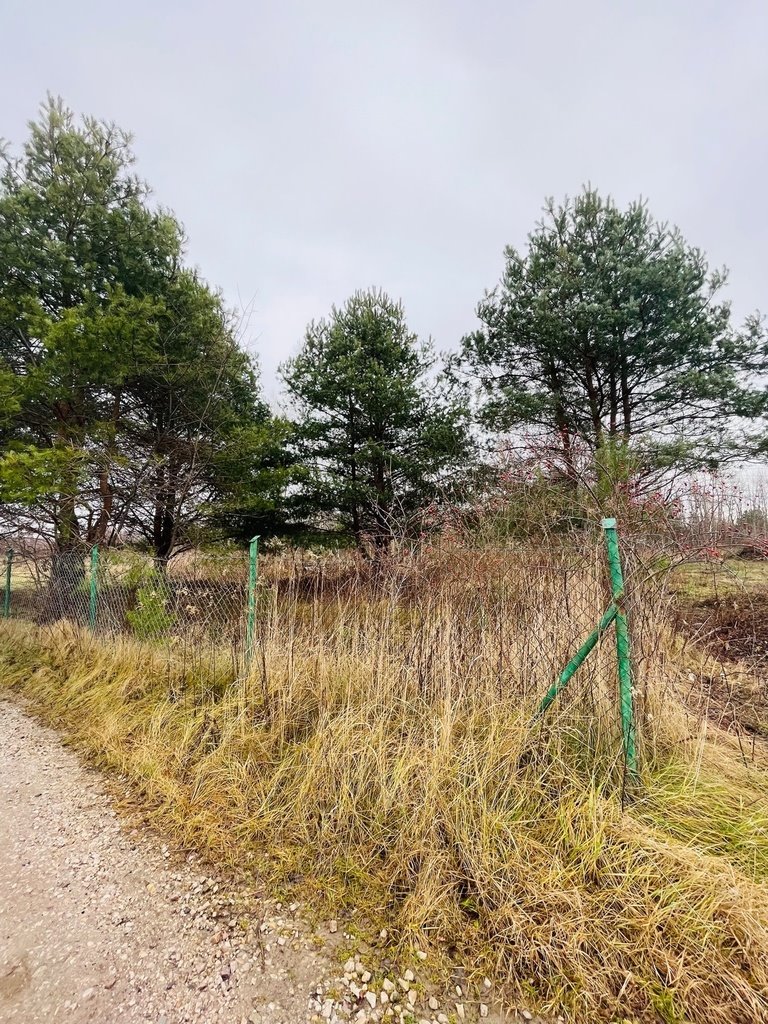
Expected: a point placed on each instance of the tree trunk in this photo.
(563, 427)
(65, 598)
(626, 399)
(164, 521)
(614, 406)
(594, 406)
(357, 526)
(99, 532)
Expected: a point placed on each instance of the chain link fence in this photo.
(124, 591)
(570, 626)
(509, 620)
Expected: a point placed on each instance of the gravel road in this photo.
(101, 922)
(98, 923)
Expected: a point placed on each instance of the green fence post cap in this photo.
(609, 524)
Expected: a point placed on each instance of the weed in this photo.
(380, 756)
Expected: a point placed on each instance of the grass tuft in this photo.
(380, 755)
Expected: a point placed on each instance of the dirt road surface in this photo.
(101, 923)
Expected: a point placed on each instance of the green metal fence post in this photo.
(622, 647)
(92, 606)
(253, 570)
(7, 592)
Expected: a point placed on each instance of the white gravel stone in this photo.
(113, 926)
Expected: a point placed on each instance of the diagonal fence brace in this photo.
(615, 615)
(576, 661)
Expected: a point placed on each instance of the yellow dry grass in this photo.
(380, 754)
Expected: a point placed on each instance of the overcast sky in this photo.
(314, 148)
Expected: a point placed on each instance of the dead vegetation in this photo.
(380, 754)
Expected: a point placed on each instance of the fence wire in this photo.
(445, 623)
(125, 592)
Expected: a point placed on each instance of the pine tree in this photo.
(379, 433)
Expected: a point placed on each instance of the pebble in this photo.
(184, 947)
(174, 945)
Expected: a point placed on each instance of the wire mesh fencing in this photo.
(542, 627)
(197, 598)
(531, 625)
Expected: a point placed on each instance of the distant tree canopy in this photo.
(608, 333)
(379, 433)
(129, 410)
(126, 399)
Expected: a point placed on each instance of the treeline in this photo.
(129, 408)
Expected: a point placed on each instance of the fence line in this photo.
(219, 604)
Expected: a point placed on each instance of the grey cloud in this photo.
(311, 149)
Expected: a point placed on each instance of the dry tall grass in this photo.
(380, 754)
